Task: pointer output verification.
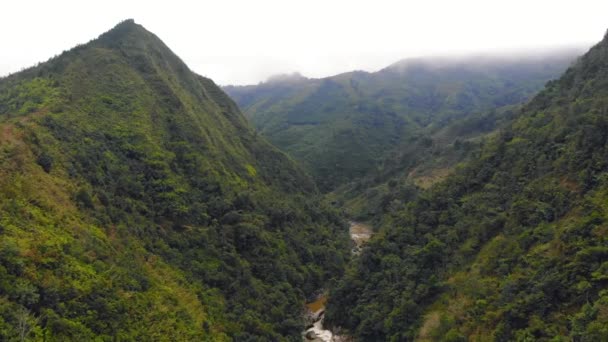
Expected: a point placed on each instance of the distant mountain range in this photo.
(342, 127)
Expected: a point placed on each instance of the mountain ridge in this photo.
(341, 127)
(512, 246)
(142, 205)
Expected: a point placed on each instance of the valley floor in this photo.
(360, 233)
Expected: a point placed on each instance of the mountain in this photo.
(342, 127)
(512, 246)
(137, 203)
(422, 160)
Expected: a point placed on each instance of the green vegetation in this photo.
(344, 127)
(512, 246)
(421, 161)
(138, 204)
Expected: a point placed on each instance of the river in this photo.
(360, 233)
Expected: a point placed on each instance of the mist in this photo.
(241, 42)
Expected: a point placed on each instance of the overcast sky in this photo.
(244, 42)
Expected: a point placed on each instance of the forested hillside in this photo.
(422, 160)
(512, 246)
(137, 204)
(343, 127)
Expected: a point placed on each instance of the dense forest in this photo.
(512, 246)
(425, 158)
(138, 204)
(344, 127)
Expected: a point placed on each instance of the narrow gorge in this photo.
(360, 233)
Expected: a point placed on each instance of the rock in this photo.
(310, 335)
(318, 315)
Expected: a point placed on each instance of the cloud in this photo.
(243, 42)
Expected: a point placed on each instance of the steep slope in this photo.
(342, 127)
(513, 246)
(421, 161)
(138, 204)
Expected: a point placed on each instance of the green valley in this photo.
(342, 128)
(511, 246)
(437, 199)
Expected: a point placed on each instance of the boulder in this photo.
(310, 335)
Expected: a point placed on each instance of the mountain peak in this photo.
(122, 30)
(129, 21)
(125, 25)
(124, 119)
(140, 46)
(287, 77)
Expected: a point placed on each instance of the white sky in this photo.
(243, 42)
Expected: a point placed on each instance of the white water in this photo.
(321, 335)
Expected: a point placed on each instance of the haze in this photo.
(245, 42)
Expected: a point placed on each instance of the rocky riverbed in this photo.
(360, 233)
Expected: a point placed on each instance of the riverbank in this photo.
(360, 234)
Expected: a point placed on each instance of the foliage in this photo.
(512, 246)
(138, 204)
(346, 126)
(420, 162)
